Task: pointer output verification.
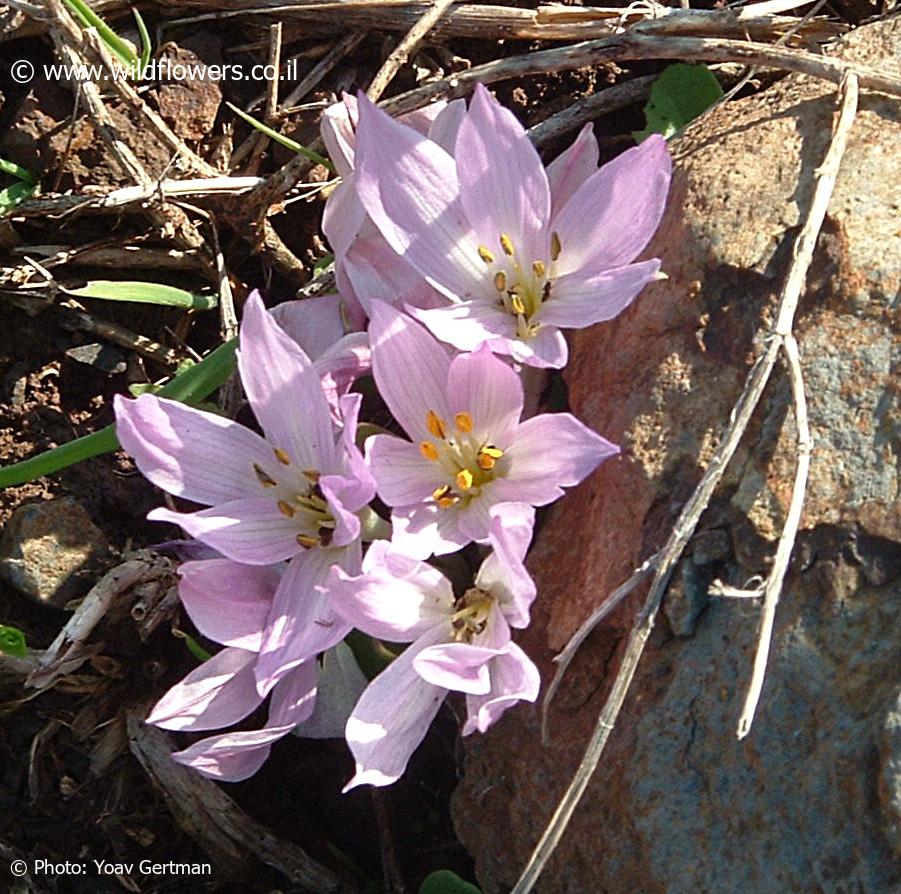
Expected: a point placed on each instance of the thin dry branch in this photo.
(343, 48)
(685, 525)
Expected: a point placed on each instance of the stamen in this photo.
(538, 269)
(464, 479)
(428, 450)
(307, 542)
(311, 475)
(463, 422)
(556, 247)
(517, 304)
(507, 244)
(282, 457)
(443, 497)
(500, 281)
(286, 509)
(488, 456)
(262, 477)
(486, 255)
(435, 424)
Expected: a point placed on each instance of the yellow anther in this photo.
(463, 422)
(538, 269)
(464, 479)
(500, 280)
(488, 456)
(556, 247)
(307, 542)
(507, 244)
(262, 477)
(311, 475)
(428, 450)
(443, 497)
(447, 502)
(282, 457)
(286, 509)
(517, 304)
(435, 424)
(486, 255)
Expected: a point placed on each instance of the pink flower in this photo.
(518, 252)
(294, 495)
(460, 644)
(469, 449)
(230, 604)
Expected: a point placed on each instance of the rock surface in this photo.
(811, 800)
(47, 546)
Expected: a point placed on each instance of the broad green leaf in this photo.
(280, 138)
(120, 48)
(144, 293)
(10, 167)
(12, 195)
(12, 642)
(679, 95)
(190, 387)
(446, 882)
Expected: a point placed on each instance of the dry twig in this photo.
(684, 528)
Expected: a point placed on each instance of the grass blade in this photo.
(144, 293)
(120, 48)
(280, 138)
(10, 167)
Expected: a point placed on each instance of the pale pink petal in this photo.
(302, 622)
(337, 129)
(403, 475)
(425, 529)
(344, 220)
(514, 678)
(340, 683)
(230, 757)
(473, 520)
(195, 455)
(467, 325)
(408, 184)
(227, 602)
(569, 170)
(396, 598)
(446, 125)
(503, 187)
(314, 323)
(459, 667)
(422, 120)
(251, 531)
(613, 215)
(218, 693)
(391, 719)
(546, 349)
(284, 390)
(580, 300)
(294, 696)
(410, 369)
(487, 388)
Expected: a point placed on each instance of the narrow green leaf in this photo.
(12, 642)
(146, 43)
(194, 647)
(144, 293)
(120, 48)
(190, 387)
(322, 264)
(679, 95)
(12, 195)
(446, 882)
(10, 167)
(280, 138)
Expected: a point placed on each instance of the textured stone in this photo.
(47, 546)
(810, 800)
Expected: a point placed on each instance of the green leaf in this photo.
(194, 647)
(120, 48)
(10, 167)
(12, 642)
(144, 293)
(679, 95)
(10, 196)
(190, 387)
(146, 43)
(446, 882)
(280, 138)
(371, 654)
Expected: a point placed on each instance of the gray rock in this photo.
(48, 548)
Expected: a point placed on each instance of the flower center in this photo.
(466, 463)
(522, 287)
(473, 609)
(298, 497)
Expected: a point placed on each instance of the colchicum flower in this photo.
(460, 644)
(469, 449)
(518, 252)
(230, 604)
(294, 495)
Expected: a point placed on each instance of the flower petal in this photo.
(446, 125)
(195, 455)
(580, 301)
(230, 757)
(399, 346)
(294, 696)
(391, 719)
(339, 686)
(403, 475)
(459, 667)
(314, 323)
(466, 325)
(612, 216)
(408, 184)
(503, 187)
(228, 603)
(396, 598)
(425, 529)
(514, 678)
(218, 693)
(572, 167)
(546, 349)
(251, 531)
(284, 390)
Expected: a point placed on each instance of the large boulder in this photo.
(811, 800)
